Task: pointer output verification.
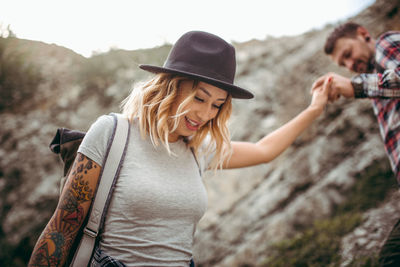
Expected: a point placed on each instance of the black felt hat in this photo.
(205, 57)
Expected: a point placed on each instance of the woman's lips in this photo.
(191, 124)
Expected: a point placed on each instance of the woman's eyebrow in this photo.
(208, 93)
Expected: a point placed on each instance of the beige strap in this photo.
(108, 177)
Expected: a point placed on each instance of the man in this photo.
(377, 63)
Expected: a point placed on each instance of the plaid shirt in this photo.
(384, 87)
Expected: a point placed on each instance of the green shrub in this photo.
(18, 79)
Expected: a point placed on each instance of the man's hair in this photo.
(151, 103)
(348, 29)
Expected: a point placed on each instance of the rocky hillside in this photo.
(330, 199)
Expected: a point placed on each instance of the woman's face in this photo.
(204, 107)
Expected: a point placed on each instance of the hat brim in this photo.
(232, 89)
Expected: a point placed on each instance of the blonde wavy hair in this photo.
(151, 103)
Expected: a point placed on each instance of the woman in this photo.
(179, 126)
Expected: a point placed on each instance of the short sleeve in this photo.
(94, 144)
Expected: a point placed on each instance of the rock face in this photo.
(250, 209)
(258, 207)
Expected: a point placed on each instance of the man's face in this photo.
(356, 54)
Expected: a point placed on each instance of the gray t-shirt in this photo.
(157, 202)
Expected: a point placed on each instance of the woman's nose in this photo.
(205, 114)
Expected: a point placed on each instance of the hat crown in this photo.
(205, 53)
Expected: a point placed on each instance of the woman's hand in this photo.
(339, 86)
(320, 95)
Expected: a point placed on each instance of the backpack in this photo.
(66, 143)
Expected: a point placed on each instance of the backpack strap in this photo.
(112, 163)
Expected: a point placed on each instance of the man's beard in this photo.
(371, 64)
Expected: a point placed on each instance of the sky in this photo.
(88, 26)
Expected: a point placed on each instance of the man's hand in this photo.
(340, 86)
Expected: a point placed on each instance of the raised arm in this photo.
(56, 240)
(374, 85)
(272, 145)
(385, 83)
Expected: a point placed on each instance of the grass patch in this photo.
(319, 245)
(370, 261)
(371, 188)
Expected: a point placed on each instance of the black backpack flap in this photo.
(66, 143)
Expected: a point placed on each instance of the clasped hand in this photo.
(320, 94)
(339, 86)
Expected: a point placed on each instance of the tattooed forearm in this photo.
(56, 240)
(49, 251)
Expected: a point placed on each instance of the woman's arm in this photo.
(54, 243)
(271, 146)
